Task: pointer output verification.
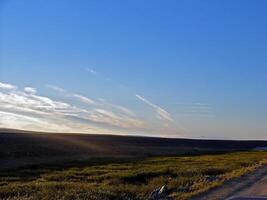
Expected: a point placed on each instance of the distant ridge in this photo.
(10, 130)
(27, 146)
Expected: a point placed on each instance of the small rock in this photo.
(160, 194)
(163, 190)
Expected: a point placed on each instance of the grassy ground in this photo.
(184, 175)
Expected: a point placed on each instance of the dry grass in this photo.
(184, 175)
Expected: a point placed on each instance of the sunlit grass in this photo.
(184, 175)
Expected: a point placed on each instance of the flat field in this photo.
(131, 178)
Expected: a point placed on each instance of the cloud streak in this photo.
(79, 97)
(100, 102)
(30, 90)
(84, 99)
(23, 108)
(26, 109)
(161, 113)
(55, 88)
(7, 86)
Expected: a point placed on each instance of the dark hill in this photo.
(24, 146)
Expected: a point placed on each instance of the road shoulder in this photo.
(234, 187)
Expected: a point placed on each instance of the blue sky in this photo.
(163, 68)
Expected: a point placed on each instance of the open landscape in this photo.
(18, 148)
(77, 166)
(133, 100)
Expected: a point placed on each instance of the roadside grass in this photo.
(134, 179)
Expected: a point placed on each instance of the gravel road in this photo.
(252, 186)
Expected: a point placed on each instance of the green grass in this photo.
(185, 175)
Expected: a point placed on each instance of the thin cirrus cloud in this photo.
(93, 72)
(25, 109)
(76, 96)
(109, 117)
(84, 99)
(123, 109)
(30, 90)
(56, 88)
(195, 108)
(161, 113)
(7, 86)
(100, 102)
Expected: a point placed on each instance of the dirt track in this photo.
(259, 188)
(253, 184)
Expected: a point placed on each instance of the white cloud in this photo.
(30, 90)
(81, 98)
(7, 86)
(20, 121)
(17, 100)
(123, 109)
(161, 113)
(104, 116)
(101, 103)
(23, 107)
(84, 99)
(56, 88)
(119, 108)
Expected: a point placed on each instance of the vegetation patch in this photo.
(184, 176)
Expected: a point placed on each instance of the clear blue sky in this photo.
(167, 68)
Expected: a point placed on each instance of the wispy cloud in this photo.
(84, 99)
(7, 86)
(194, 108)
(161, 113)
(109, 117)
(56, 88)
(120, 108)
(100, 102)
(79, 97)
(30, 90)
(90, 70)
(37, 123)
(24, 108)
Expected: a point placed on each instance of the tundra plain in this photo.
(73, 166)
